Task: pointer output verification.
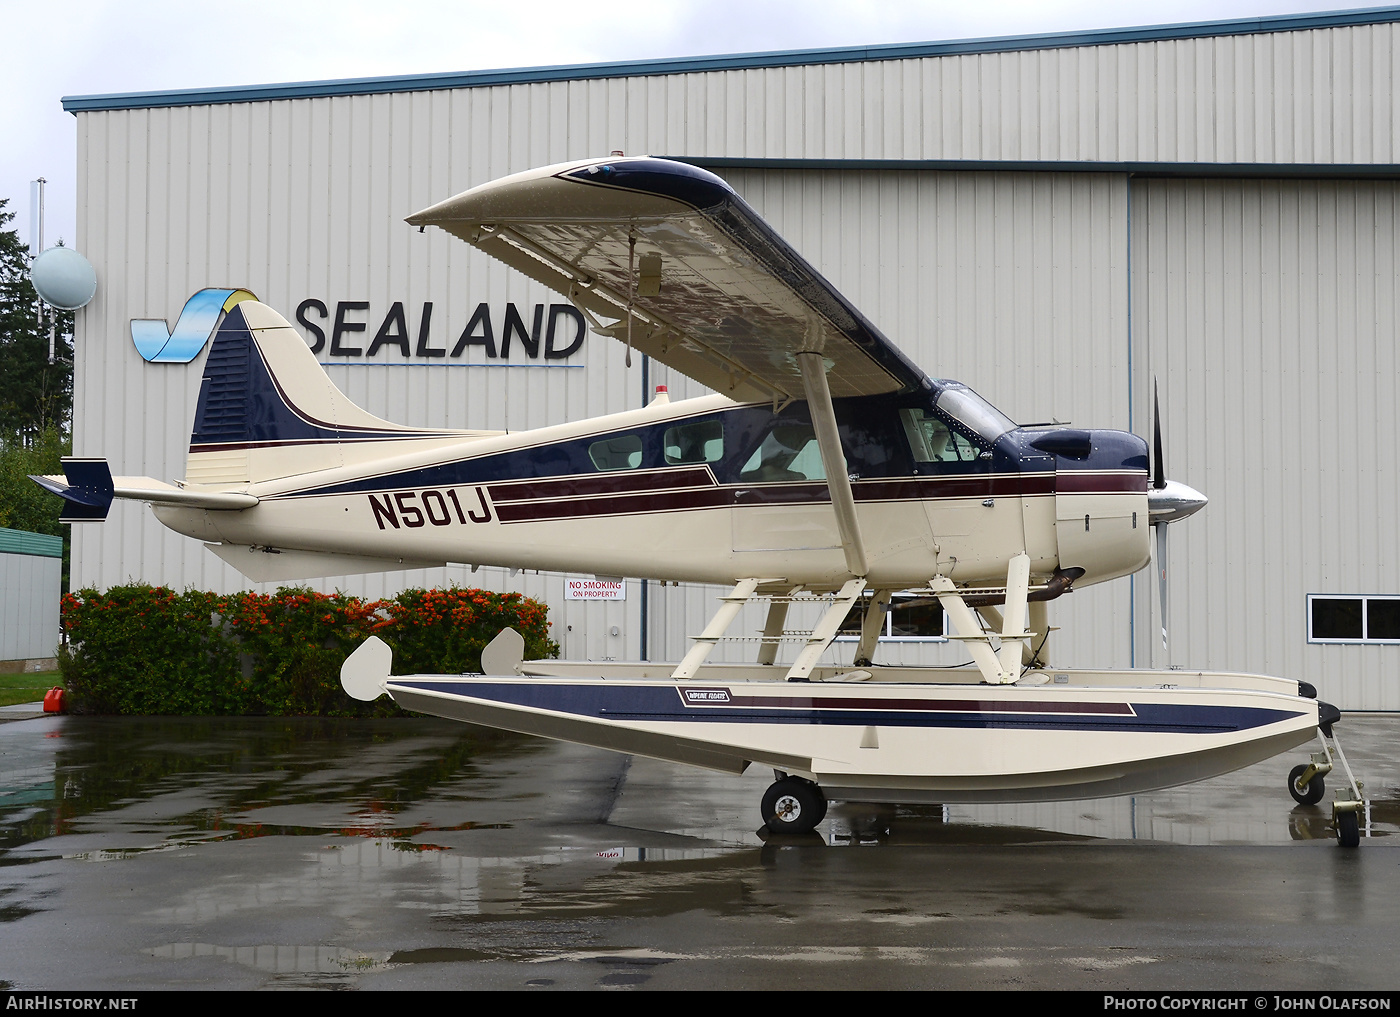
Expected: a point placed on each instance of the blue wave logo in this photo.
(159, 344)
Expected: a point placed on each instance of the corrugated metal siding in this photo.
(1267, 311)
(1319, 96)
(294, 201)
(30, 586)
(957, 267)
(1014, 283)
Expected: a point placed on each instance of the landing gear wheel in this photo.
(1348, 830)
(793, 805)
(1308, 794)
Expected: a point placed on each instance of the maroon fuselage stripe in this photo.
(573, 498)
(1070, 482)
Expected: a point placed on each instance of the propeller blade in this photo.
(1159, 469)
(1162, 585)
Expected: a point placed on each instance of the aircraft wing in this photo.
(715, 293)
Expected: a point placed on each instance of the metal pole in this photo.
(646, 585)
(40, 310)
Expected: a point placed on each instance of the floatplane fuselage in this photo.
(831, 472)
(709, 491)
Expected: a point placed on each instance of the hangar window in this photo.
(698, 442)
(909, 619)
(623, 452)
(1353, 619)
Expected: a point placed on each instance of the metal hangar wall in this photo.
(1055, 220)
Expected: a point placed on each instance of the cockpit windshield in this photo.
(974, 412)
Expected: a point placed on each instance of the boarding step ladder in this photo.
(815, 640)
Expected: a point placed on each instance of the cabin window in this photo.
(623, 452)
(909, 619)
(1353, 619)
(698, 442)
(789, 453)
(933, 441)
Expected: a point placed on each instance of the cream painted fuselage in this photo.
(704, 490)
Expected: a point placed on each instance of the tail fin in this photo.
(267, 410)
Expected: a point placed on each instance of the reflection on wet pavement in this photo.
(404, 853)
(172, 781)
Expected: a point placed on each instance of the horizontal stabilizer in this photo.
(269, 565)
(89, 487)
(85, 487)
(158, 492)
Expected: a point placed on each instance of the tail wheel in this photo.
(1305, 794)
(793, 805)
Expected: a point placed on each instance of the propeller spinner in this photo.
(1167, 502)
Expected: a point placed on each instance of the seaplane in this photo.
(826, 471)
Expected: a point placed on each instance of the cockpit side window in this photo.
(788, 453)
(931, 440)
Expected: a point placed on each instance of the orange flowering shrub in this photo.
(148, 650)
(444, 631)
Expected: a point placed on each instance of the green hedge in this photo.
(150, 650)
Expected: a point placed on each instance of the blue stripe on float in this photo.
(661, 703)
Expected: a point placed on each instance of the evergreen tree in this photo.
(24, 505)
(35, 396)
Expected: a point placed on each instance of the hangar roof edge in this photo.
(1218, 170)
(742, 61)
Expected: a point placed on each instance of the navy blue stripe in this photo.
(741, 61)
(661, 703)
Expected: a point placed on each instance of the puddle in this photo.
(195, 780)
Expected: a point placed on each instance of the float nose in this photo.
(1173, 501)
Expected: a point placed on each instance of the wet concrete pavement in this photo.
(242, 853)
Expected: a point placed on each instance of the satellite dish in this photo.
(63, 278)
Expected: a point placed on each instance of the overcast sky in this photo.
(81, 47)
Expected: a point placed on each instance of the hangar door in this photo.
(1266, 310)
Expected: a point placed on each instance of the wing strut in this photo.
(838, 482)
